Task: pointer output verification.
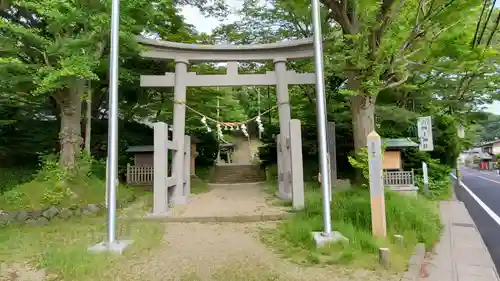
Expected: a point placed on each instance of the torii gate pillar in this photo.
(283, 99)
(181, 66)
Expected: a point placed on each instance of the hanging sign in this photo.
(425, 133)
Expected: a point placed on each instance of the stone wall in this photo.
(44, 216)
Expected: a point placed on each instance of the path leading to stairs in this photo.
(229, 251)
(234, 200)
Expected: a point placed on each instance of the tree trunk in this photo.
(363, 118)
(88, 121)
(70, 102)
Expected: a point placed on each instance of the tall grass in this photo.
(415, 218)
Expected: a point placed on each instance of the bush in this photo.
(414, 218)
(55, 186)
(440, 187)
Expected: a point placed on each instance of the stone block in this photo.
(51, 212)
(34, 214)
(6, 218)
(21, 216)
(93, 208)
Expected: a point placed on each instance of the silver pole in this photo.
(258, 102)
(321, 117)
(112, 171)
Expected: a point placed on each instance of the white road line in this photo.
(485, 207)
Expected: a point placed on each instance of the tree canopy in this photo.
(387, 63)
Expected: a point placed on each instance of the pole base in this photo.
(118, 247)
(322, 239)
(284, 196)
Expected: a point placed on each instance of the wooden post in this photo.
(399, 240)
(379, 228)
(384, 259)
(297, 176)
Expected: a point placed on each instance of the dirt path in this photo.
(227, 252)
(229, 200)
(21, 272)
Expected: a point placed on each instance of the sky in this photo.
(206, 25)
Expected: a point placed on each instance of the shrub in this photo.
(360, 161)
(54, 185)
(440, 187)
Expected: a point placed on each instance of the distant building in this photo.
(483, 156)
(491, 147)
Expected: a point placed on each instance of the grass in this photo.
(61, 247)
(415, 218)
(40, 193)
(198, 186)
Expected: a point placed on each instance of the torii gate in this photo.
(183, 54)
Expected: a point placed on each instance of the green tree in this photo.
(52, 47)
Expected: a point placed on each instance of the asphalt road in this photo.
(481, 196)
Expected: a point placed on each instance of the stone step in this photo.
(237, 173)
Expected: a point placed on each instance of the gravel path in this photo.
(226, 252)
(21, 272)
(230, 251)
(229, 200)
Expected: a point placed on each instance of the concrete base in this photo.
(321, 240)
(284, 196)
(117, 247)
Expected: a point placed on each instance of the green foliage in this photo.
(440, 184)
(415, 218)
(360, 161)
(55, 186)
(439, 174)
(9, 178)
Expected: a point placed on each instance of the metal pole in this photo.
(112, 171)
(321, 117)
(258, 102)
